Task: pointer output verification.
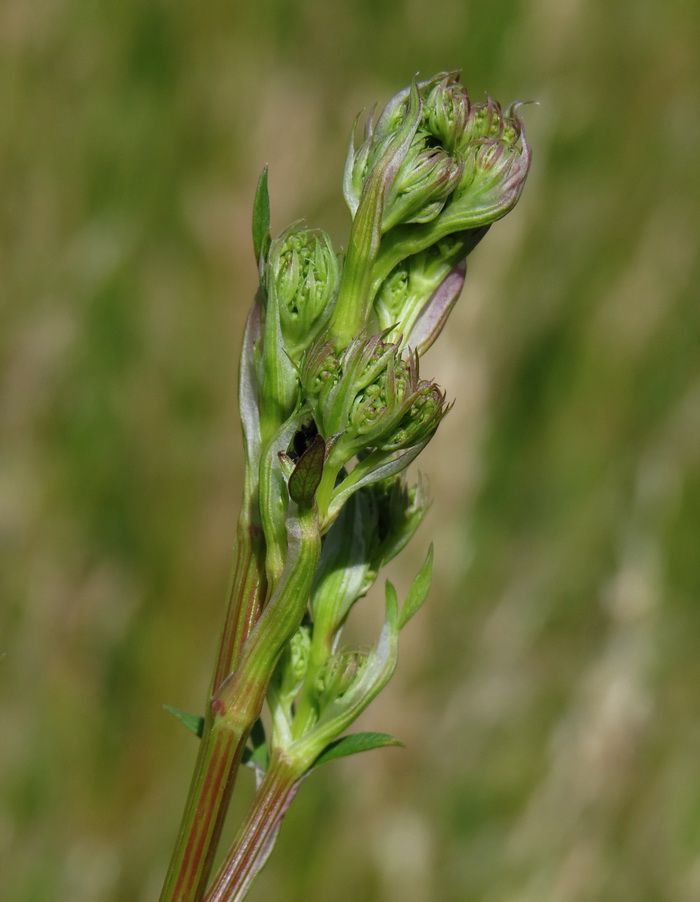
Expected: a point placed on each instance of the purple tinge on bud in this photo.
(434, 314)
(458, 167)
(427, 408)
(496, 162)
(424, 287)
(445, 154)
(422, 187)
(446, 109)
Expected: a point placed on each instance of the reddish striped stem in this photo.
(257, 834)
(221, 746)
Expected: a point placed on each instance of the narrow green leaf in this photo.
(353, 744)
(307, 474)
(392, 606)
(193, 722)
(261, 217)
(418, 591)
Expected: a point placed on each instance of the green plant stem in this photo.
(220, 748)
(233, 710)
(214, 776)
(257, 834)
(247, 589)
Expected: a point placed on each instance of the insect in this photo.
(303, 437)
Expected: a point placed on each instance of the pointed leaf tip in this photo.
(261, 217)
(193, 722)
(418, 591)
(354, 744)
(392, 604)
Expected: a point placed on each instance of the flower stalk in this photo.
(333, 410)
(256, 837)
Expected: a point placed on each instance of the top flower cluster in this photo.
(333, 405)
(425, 182)
(431, 173)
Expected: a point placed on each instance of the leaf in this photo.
(261, 218)
(418, 591)
(376, 466)
(353, 744)
(193, 722)
(307, 474)
(392, 605)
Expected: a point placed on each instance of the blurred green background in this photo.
(549, 693)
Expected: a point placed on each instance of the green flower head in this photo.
(370, 397)
(302, 273)
(432, 165)
(453, 150)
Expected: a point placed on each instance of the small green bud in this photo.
(302, 273)
(287, 681)
(446, 109)
(346, 684)
(365, 396)
(420, 420)
(340, 671)
(408, 289)
(422, 187)
(373, 526)
(371, 404)
(299, 282)
(343, 574)
(298, 658)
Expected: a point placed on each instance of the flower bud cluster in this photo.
(370, 396)
(455, 146)
(337, 683)
(433, 165)
(333, 404)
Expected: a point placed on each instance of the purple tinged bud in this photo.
(446, 109)
(415, 299)
(422, 187)
(421, 419)
(433, 316)
(464, 167)
(496, 162)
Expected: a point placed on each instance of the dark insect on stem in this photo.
(303, 437)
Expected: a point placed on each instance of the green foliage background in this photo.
(548, 693)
